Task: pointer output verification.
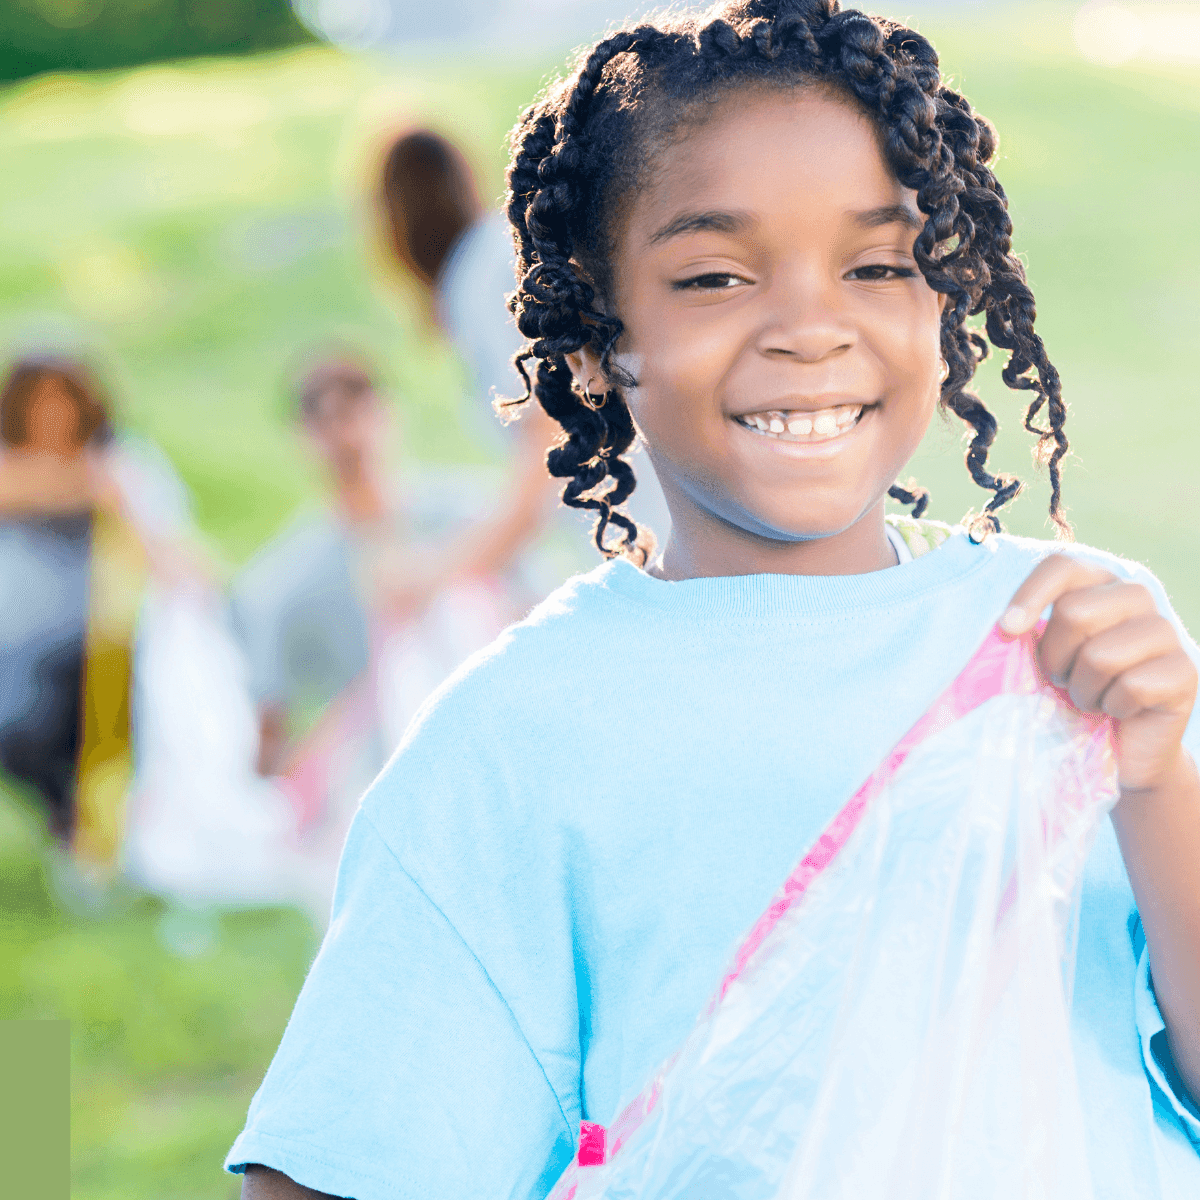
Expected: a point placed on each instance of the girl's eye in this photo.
(877, 271)
(713, 281)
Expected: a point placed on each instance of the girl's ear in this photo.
(585, 366)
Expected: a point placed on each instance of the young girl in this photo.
(754, 239)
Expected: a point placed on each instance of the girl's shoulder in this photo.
(1027, 551)
(1017, 556)
(922, 535)
(999, 564)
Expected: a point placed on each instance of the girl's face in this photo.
(785, 343)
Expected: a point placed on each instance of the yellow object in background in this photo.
(119, 571)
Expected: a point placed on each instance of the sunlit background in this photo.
(187, 200)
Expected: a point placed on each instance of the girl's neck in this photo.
(706, 547)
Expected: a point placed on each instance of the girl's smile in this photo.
(787, 344)
(805, 426)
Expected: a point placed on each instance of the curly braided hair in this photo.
(584, 146)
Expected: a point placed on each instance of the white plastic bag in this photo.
(204, 828)
(895, 1026)
(415, 657)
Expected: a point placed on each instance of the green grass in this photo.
(173, 1017)
(200, 225)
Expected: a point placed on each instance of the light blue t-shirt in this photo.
(540, 892)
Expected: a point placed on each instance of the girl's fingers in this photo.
(1102, 659)
(1050, 579)
(1165, 685)
(1080, 616)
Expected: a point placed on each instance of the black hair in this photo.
(585, 145)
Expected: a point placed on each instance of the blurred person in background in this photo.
(460, 255)
(124, 703)
(359, 610)
(85, 516)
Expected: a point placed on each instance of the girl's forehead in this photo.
(779, 152)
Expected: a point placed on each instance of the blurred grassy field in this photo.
(200, 225)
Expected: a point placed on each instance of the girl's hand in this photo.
(1107, 644)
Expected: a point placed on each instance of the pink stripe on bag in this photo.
(591, 1144)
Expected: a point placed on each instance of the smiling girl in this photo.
(753, 239)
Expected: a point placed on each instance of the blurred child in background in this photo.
(362, 608)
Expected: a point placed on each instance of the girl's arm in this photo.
(1108, 644)
(1159, 833)
(261, 1183)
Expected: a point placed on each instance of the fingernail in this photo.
(1013, 620)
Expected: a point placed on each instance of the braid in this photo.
(911, 494)
(586, 143)
(938, 147)
(555, 307)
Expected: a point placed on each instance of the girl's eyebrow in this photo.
(889, 214)
(715, 221)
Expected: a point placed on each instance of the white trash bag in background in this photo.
(204, 829)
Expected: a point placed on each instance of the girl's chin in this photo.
(804, 522)
(792, 533)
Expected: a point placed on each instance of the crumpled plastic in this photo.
(895, 1026)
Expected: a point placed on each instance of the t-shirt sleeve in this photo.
(1156, 1053)
(402, 1072)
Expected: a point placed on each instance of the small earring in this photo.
(592, 401)
(944, 373)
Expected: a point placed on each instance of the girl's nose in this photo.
(804, 321)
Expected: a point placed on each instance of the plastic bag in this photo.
(204, 829)
(895, 1026)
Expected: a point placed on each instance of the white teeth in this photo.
(827, 423)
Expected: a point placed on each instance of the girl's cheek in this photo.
(912, 347)
(631, 363)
